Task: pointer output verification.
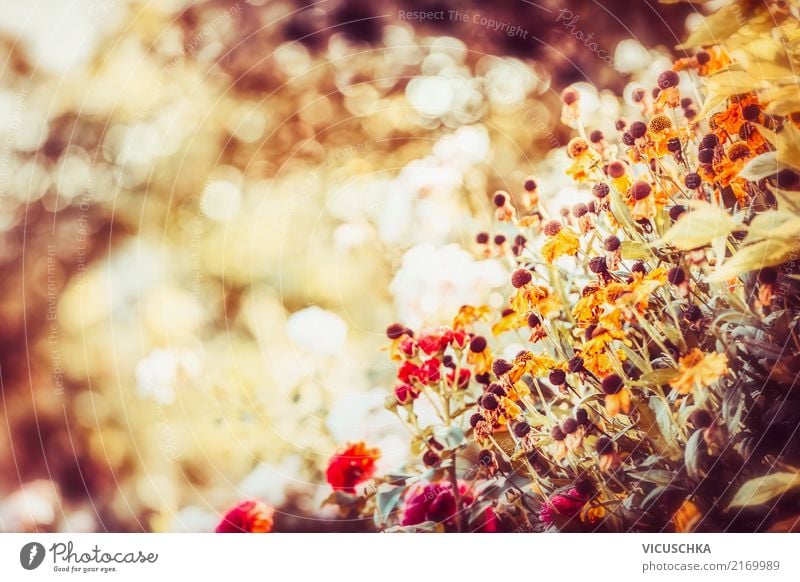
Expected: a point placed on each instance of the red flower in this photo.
(352, 466)
(568, 504)
(251, 516)
(434, 342)
(426, 501)
(463, 377)
(430, 372)
(408, 371)
(405, 393)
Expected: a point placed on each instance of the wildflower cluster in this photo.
(642, 373)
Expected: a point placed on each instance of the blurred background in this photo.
(210, 211)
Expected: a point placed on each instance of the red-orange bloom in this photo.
(352, 466)
(251, 516)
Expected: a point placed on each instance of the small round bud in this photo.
(557, 433)
(552, 228)
(521, 277)
(478, 344)
(617, 169)
(686, 102)
(496, 389)
(500, 198)
(521, 429)
(490, 401)
(430, 459)
(668, 79)
(499, 239)
(501, 366)
(751, 112)
(486, 457)
(601, 190)
(580, 209)
(557, 377)
(700, 418)
(676, 211)
(690, 113)
(640, 190)
(628, 139)
(674, 145)
(569, 96)
(612, 243)
(692, 181)
(533, 320)
(638, 95)
(482, 238)
(705, 156)
(638, 267)
(637, 129)
(676, 275)
(709, 141)
(612, 384)
(592, 206)
(576, 146)
(530, 184)
(475, 419)
(584, 486)
(575, 365)
(596, 136)
(582, 417)
(569, 425)
(598, 265)
(620, 124)
(395, 331)
(703, 57)
(483, 378)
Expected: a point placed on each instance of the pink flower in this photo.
(568, 504)
(434, 501)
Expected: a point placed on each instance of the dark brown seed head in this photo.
(521, 277)
(668, 79)
(490, 401)
(501, 366)
(552, 228)
(617, 169)
(500, 198)
(598, 265)
(478, 344)
(676, 275)
(569, 425)
(612, 384)
(637, 129)
(557, 377)
(482, 238)
(612, 243)
(601, 190)
(579, 210)
(641, 190)
(395, 331)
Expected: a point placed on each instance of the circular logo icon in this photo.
(31, 555)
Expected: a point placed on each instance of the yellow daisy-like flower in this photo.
(698, 370)
(481, 362)
(601, 363)
(587, 309)
(511, 319)
(530, 363)
(560, 241)
(469, 314)
(602, 338)
(585, 159)
(532, 297)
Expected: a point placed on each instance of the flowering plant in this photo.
(642, 373)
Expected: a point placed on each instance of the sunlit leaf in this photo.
(763, 489)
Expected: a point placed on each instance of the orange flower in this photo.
(687, 517)
(469, 314)
(532, 297)
(560, 241)
(530, 363)
(587, 309)
(509, 320)
(698, 370)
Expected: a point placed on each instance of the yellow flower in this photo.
(565, 242)
(510, 319)
(530, 363)
(480, 361)
(601, 363)
(585, 159)
(532, 297)
(588, 307)
(698, 370)
(469, 314)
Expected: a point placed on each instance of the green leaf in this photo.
(655, 476)
(386, 500)
(763, 489)
(699, 227)
(633, 250)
